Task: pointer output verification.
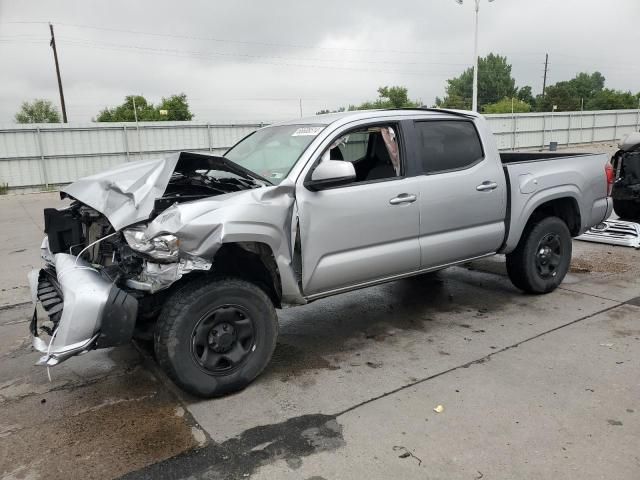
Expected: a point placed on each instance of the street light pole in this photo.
(474, 105)
(474, 102)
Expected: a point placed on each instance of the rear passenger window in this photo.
(447, 145)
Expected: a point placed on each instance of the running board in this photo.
(614, 232)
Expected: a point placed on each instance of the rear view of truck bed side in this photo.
(572, 187)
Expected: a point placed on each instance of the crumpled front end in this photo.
(129, 235)
(86, 310)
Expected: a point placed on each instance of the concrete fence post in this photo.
(593, 129)
(569, 131)
(43, 166)
(615, 127)
(125, 136)
(209, 137)
(544, 127)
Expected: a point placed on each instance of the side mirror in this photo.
(331, 173)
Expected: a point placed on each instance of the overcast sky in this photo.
(242, 60)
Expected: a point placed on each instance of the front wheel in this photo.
(215, 336)
(542, 257)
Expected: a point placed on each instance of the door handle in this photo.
(486, 186)
(403, 198)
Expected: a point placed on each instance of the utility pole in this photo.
(300, 108)
(544, 81)
(52, 44)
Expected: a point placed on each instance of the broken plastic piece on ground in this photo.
(614, 232)
(439, 409)
(406, 453)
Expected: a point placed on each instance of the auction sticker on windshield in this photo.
(307, 131)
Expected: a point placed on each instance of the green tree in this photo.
(326, 110)
(494, 83)
(562, 94)
(526, 95)
(176, 106)
(37, 111)
(607, 99)
(587, 86)
(388, 97)
(569, 94)
(505, 106)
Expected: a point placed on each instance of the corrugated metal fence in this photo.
(42, 155)
(528, 130)
(37, 156)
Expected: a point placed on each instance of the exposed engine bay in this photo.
(124, 256)
(192, 180)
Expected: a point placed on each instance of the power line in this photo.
(240, 42)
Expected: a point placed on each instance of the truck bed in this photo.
(537, 177)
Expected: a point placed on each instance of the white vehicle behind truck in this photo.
(197, 252)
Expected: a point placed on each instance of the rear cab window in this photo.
(446, 145)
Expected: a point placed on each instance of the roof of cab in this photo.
(344, 117)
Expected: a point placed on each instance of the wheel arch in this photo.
(561, 204)
(252, 261)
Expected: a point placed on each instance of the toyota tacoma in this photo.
(197, 252)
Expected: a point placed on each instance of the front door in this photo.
(364, 231)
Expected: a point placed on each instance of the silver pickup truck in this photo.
(197, 252)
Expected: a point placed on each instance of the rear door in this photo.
(463, 192)
(367, 230)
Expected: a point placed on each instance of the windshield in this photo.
(272, 151)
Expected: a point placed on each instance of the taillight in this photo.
(611, 176)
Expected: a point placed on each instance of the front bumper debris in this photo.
(86, 310)
(614, 232)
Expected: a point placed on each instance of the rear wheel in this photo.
(215, 337)
(542, 258)
(627, 209)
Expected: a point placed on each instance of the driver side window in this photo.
(373, 151)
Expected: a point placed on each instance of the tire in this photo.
(532, 270)
(202, 338)
(627, 209)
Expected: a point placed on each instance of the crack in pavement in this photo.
(590, 295)
(476, 361)
(14, 305)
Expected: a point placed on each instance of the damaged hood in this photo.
(126, 194)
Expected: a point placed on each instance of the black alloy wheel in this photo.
(223, 339)
(549, 255)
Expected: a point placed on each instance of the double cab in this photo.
(197, 252)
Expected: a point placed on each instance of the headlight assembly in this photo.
(160, 247)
